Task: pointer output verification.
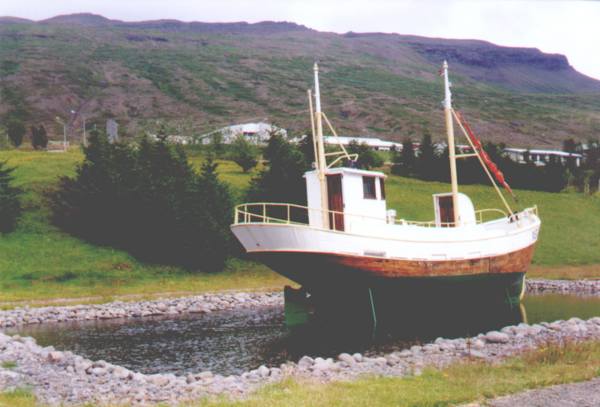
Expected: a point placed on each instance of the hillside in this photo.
(201, 76)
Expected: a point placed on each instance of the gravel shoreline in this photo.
(207, 303)
(58, 377)
(584, 287)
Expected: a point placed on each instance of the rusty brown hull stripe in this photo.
(300, 266)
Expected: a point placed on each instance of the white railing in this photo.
(281, 213)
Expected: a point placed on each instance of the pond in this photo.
(231, 342)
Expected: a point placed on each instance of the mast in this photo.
(451, 148)
(321, 162)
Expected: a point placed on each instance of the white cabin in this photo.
(354, 192)
(356, 200)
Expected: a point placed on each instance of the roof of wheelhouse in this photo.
(346, 170)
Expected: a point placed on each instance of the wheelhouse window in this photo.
(369, 188)
(382, 188)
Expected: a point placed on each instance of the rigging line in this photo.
(485, 168)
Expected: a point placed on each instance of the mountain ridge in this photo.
(211, 74)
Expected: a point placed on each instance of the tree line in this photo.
(430, 164)
(147, 199)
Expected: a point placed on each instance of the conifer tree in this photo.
(404, 161)
(244, 154)
(42, 137)
(282, 180)
(149, 201)
(34, 137)
(10, 204)
(16, 130)
(217, 209)
(426, 161)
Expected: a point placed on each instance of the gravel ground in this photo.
(584, 394)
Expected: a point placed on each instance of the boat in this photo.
(347, 244)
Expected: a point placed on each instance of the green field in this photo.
(39, 262)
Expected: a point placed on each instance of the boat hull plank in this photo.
(317, 269)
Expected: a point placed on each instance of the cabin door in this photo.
(336, 201)
(446, 208)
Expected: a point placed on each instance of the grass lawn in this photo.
(39, 262)
(458, 384)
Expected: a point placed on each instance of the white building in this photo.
(257, 133)
(372, 142)
(542, 157)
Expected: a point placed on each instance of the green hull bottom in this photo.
(387, 303)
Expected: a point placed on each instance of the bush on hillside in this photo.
(10, 203)
(148, 201)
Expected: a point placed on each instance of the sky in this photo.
(569, 27)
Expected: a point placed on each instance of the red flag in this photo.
(484, 156)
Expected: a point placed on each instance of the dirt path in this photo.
(584, 394)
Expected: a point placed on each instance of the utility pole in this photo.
(84, 135)
(64, 124)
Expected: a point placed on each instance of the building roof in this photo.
(370, 141)
(346, 170)
(543, 152)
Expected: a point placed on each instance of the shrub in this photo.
(148, 201)
(243, 153)
(367, 157)
(427, 161)
(10, 203)
(404, 162)
(216, 146)
(282, 180)
(39, 137)
(16, 130)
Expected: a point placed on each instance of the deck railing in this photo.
(282, 213)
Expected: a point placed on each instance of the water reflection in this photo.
(232, 342)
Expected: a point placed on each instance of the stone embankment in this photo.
(582, 287)
(204, 304)
(200, 304)
(65, 378)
